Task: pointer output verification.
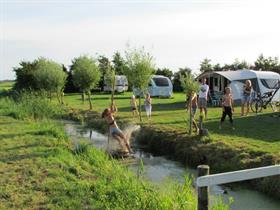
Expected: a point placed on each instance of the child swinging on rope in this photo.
(115, 131)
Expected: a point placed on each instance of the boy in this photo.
(227, 103)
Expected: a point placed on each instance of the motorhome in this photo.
(159, 86)
(121, 84)
(262, 82)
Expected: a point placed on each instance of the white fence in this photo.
(205, 180)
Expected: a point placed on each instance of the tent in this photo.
(262, 81)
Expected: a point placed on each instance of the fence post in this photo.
(203, 192)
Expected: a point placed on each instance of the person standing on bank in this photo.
(246, 97)
(203, 97)
(148, 106)
(133, 105)
(227, 104)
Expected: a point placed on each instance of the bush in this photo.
(30, 106)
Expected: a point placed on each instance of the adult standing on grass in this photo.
(148, 106)
(246, 97)
(203, 97)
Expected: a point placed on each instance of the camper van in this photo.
(262, 82)
(121, 84)
(158, 86)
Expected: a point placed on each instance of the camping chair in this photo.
(215, 100)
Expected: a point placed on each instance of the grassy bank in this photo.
(40, 169)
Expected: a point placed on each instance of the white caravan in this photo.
(121, 84)
(158, 86)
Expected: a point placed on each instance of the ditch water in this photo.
(159, 169)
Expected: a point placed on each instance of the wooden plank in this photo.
(236, 176)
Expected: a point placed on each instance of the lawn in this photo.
(6, 85)
(258, 133)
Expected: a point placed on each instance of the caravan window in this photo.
(161, 82)
(269, 83)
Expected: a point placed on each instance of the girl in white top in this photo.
(148, 106)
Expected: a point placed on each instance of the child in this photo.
(133, 105)
(194, 107)
(148, 106)
(228, 109)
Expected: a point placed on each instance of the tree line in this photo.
(87, 73)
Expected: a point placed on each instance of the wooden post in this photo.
(200, 125)
(203, 192)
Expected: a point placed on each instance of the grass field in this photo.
(6, 85)
(259, 133)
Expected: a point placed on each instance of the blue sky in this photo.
(177, 33)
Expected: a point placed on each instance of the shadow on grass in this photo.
(264, 127)
(160, 107)
(35, 133)
(16, 157)
(21, 147)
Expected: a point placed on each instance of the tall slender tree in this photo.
(140, 68)
(85, 75)
(189, 86)
(110, 80)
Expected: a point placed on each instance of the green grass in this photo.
(40, 169)
(6, 85)
(257, 133)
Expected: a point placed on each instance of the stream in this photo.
(158, 169)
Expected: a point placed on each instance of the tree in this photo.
(119, 64)
(177, 87)
(104, 63)
(140, 68)
(165, 72)
(25, 76)
(217, 67)
(189, 86)
(110, 80)
(206, 65)
(86, 75)
(69, 85)
(49, 76)
(267, 64)
(237, 65)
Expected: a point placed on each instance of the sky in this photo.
(177, 33)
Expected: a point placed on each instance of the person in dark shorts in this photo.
(227, 103)
(133, 104)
